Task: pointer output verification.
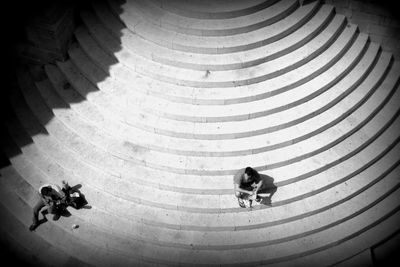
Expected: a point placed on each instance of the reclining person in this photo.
(54, 199)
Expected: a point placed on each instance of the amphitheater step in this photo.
(161, 103)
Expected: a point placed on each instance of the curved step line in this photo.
(222, 136)
(274, 205)
(220, 15)
(174, 207)
(178, 27)
(315, 191)
(358, 127)
(191, 61)
(307, 214)
(238, 152)
(336, 243)
(385, 216)
(276, 241)
(227, 102)
(172, 44)
(203, 171)
(130, 63)
(35, 256)
(76, 240)
(212, 119)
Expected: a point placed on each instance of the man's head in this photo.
(45, 191)
(248, 173)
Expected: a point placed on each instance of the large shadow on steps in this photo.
(21, 93)
(39, 111)
(24, 113)
(21, 101)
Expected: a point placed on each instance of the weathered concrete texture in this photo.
(161, 102)
(380, 19)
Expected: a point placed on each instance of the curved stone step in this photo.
(76, 172)
(36, 249)
(31, 248)
(199, 148)
(192, 184)
(50, 169)
(239, 94)
(212, 9)
(141, 103)
(229, 130)
(367, 225)
(158, 200)
(216, 44)
(204, 171)
(18, 213)
(91, 152)
(170, 200)
(216, 62)
(115, 129)
(66, 159)
(45, 143)
(278, 157)
(227, 78)
(211, 27)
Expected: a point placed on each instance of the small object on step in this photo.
(67, 86)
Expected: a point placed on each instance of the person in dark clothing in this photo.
(247, 183)
(54, 199)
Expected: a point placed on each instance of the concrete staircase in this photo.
(161, 102)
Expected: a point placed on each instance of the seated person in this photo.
(247, 183)
(53, 198)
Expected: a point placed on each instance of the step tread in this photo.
(216, 44)
(224, 78)
(358, 224)
(214, 61)
(164, 18)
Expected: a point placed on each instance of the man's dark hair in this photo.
(249, 171)
(45, 191)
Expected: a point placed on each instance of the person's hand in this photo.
(46, 200)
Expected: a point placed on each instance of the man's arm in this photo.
(47, 200)
(258, 186)
(241, 190)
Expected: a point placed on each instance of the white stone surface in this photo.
(307, 100)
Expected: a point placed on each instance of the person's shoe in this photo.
(33, 227)
(241, 203)
(56, 217)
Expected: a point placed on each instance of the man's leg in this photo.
(36, 209)
(240, 199)
(55, 210)
(243, 196)
(273, 191)
(266, 200)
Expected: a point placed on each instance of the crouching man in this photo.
(247, 183)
